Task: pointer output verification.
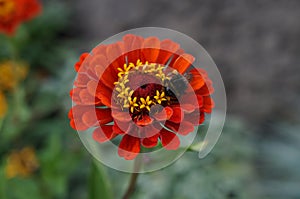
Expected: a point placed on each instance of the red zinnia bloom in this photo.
(14, 12)
(142, 89)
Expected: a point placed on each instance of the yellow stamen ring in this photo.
(124, 92)
(160, 97)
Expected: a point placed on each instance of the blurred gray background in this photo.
(256, 46)
(254, 43)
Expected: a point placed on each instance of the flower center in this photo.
(144, 85)
(140, 86)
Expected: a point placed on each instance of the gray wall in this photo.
(255, 44)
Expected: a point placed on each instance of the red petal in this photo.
(200, 100)
(98, 64)
(195, 118)
(151, 141)
(128, 40)
(150, 49)
(188, 108)
(104, 115)
(81, 97)
(164, 114)
(103, 133)
(207, 89)
(122, 116)
(114, 53)
(104, 94)
(168, 48)
(183, 62)
(177, 115)
(70, 114)
(129, 147)
(81, 59)
(74, 93)
(120, 127)
(100, 50)
(97, 116)
(183, 128)
(186, 128)
(208, 104)
(145, 131)
(132, 45)
(88, 99)
(188, 102)
(179, 52)
(81, 80)
(75, 115)
(145, 120)
(202, 118)
(197, 80)
(92, 87)
(169, 140)
(77, 126)
(132, 42)
(89, 118)
(172, 126)
(109, 77)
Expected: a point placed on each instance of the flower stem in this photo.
(133, 179)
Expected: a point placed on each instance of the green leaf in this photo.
(99, 186)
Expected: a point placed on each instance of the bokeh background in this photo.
(256, 46)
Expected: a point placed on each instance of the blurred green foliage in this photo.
(37, 111)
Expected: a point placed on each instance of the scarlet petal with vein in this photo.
(81, 59)
(151, 141)
(183, 62)
(145, 120)
(177, 116)
(151, 49)
(169, 140)
(164, 114)
(103, 133)
(129, 147)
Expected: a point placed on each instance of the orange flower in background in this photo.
(21, 163)
(14, 12)
(11, 73)
(140, 89)
(3, 105)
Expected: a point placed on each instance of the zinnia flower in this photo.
(142, 89)
(14, 12)
(21, 163)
